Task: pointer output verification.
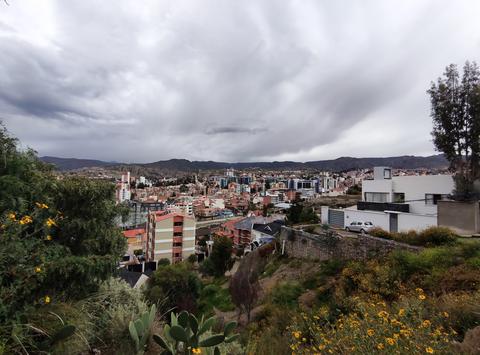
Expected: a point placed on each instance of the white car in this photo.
(361, 227)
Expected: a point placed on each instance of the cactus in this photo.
(185, 331)
(140, 329)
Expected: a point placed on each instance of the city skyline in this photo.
(249, 81)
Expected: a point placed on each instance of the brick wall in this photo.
(300, 244)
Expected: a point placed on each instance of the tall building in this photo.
(169, 236)
(123, 188)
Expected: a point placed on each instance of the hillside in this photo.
(340, 164)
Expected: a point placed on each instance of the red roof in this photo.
(133, 233)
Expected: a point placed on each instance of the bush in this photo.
(163, 262)
(435, 236)
(380, 233)
(286, 294)
(213, 296)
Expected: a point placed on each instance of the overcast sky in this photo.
(140, 81)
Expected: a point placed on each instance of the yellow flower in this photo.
(50, 222)
(380, 346)
(41, 205)
(421, 296)
(196, 350)
(426, 323)
(370, 332)
(445, 314)
(419, 290)
(47, 299)
(38, 269)
(48, 237)
(382, 314)
(429, 350)
(297, 334)
(401, 312)
(390, 341)
(12, 216)
(26, 220)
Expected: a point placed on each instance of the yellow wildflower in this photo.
(26, 220)
(401, 312)
(196, 350)
(370, 332)
(50, 222)
(47, 299)
(421, 296)
(38, 269)
(426, 323)
(48, 237)
(382, 314)
(419, 290)
(12, 216)
(429, 350)
(390, 341)
(304, 340)
(380, 346)
(41, 205)
(445, 314)
(297, 334)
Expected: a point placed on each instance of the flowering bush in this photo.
(373, 327)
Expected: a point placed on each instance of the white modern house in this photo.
(395, 203)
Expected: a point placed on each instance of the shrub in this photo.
(213, 296)
(434, 236)
(163, 262)
(380, 233)
(373, 328)
(286, 294)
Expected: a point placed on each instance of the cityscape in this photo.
(239, 178)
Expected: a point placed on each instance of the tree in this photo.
(174, 287)
(220, 259)
(59, 239)
(455, 111)
(354, 190)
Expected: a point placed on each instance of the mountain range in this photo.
(182, 165)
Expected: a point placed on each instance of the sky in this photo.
(228, 80)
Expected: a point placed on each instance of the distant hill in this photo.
(339, 164)
(73, 163)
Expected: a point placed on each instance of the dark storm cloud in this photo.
(227, 80)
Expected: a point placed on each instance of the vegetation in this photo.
(220, 259)
(298, 213)
(432, 236)
(455, 110)
(175, 287)
(354, 190)
(59, 242)
(184, 335)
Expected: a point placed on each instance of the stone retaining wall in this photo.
(331, 245)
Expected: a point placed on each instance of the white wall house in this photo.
(399, 203)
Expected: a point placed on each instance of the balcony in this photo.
(383, 206)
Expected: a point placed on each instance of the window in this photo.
(177, 224)
(387, 174)
(380, 197)
(179, 244)
(399, 197)
(177, 234)
(432, 199)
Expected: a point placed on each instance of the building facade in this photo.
(169, 236)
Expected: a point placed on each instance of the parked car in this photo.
(361, 227)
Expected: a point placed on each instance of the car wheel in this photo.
(347, 229)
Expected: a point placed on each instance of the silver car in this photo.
(361, 227)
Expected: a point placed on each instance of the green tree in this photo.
(220, 259)
(455, 111)
(174, 287)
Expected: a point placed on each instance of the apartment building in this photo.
(169, 236)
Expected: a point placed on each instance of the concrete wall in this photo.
(326, 246)
(415, 188)
(406, 221)
(463, 217)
